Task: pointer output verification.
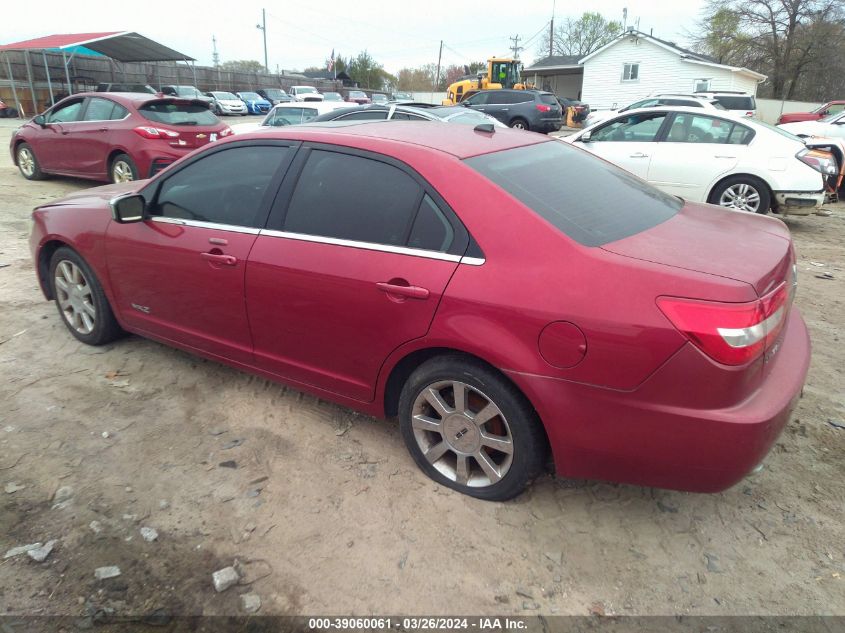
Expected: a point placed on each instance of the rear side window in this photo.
(368, 115)
(737, 103)
(432, 231)
(175, 113)
(353, 198)
(603, 204)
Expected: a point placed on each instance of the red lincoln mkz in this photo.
(502, 293)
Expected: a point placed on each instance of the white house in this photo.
(636, 65)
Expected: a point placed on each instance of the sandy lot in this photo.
(327, 513)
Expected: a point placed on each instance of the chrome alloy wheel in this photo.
(741, 196)
(121, 171)
(76, 301)
(462, 433)
(26, 161)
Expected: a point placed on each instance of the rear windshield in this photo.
(173, 113)
(251, 95)
(737, 103)
(588, 199)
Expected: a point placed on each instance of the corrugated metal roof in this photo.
(124, 46)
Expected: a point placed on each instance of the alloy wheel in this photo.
(75, 298)
(741, 196)
(122, 172)
(462, 433)
(26, 161)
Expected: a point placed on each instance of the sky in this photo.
(301, 34)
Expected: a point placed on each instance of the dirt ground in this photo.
(325, 510)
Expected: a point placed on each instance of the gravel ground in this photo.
(326, 513)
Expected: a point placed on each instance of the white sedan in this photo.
(719, 158)
(831, 126)
(292, 113)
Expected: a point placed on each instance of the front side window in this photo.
(353, 198)
(102, 110)
(634, 128)
(479, 98)
(66, 113)
(225, 187)
(631, 72)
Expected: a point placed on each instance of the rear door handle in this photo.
(216, 258)
(639, 155)
(413, 292)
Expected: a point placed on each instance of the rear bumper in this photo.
(798, 202)
(632, 438)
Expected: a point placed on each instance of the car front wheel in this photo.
(744, 193)
(80, 299)
(471, 430)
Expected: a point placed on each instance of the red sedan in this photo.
(462, 280)
(114, 137)
(831, 107)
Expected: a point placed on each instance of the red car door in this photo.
(92, 135)
(53, 143)
(353, 267)
(179, 274)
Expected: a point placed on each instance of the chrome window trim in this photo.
(473, 261)
(232, 228)
(369, 246)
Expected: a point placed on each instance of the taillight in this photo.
(542, 107)
(750, 113)
(155, 132)
(822, 162)
(226, 131)
(730, 333)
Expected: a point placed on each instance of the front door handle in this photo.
(413, 292)
(218, 258)
(639, 155)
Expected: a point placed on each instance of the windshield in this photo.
(173, 113)
(225, 96)
(357, 94)
(275, 93)
(332, 96)
(603, 204)
(187, 91)
(469, 118)
(289, 116)
(403, 95)
(379, 97)
(251, 95)
(303, 89)
(832, 117)
(506, 73)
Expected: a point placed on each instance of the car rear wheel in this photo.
(470, 429)
(123, 169)
(80, 299)
(28, 163)
(519, 124)
(744, 193)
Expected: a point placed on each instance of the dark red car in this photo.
(831, 107)
(112, 136)
(358, 96)
(461, 280)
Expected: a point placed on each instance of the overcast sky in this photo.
(301, 34)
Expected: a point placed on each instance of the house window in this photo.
(631, 72)
(701, 85)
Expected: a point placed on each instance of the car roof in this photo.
(132, 98)
(461, 141)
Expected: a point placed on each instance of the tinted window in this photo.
(431, 231)
(100, 110)
(640, 128)
(737, 103)
(477, 99)
(66, 113)
(699, 128)
(289, 116)
(550, 99)
(352, 198)
(366, 115)
(694, 103)
(173, 113)
(226, 187)
(603, 204)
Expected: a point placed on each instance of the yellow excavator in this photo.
(502, 72)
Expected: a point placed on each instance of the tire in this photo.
(122, 169)
(745, 193)
(80, 299)
(441, 442)
(519, 124)
(28, 164)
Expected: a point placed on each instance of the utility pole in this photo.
(516, 47)
(552, 30)
(439, 57)
(263, 28)
(215, 56)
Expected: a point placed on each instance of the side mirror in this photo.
(128, 208)
(40, 120)
(585, 137)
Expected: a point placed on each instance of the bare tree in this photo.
(581, 36)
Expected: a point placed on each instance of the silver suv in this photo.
(691, 100)
(738, 102)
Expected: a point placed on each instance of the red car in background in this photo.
(831, 107)
(461, 280)
(114, 137)
(358, 96)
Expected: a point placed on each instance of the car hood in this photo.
(815, 128)
(231, 102)
(96, 195)
(705, 238)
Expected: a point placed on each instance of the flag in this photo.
(331, 61)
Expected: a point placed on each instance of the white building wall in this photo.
(660, 71)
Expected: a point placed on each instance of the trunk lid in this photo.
(716, 241)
